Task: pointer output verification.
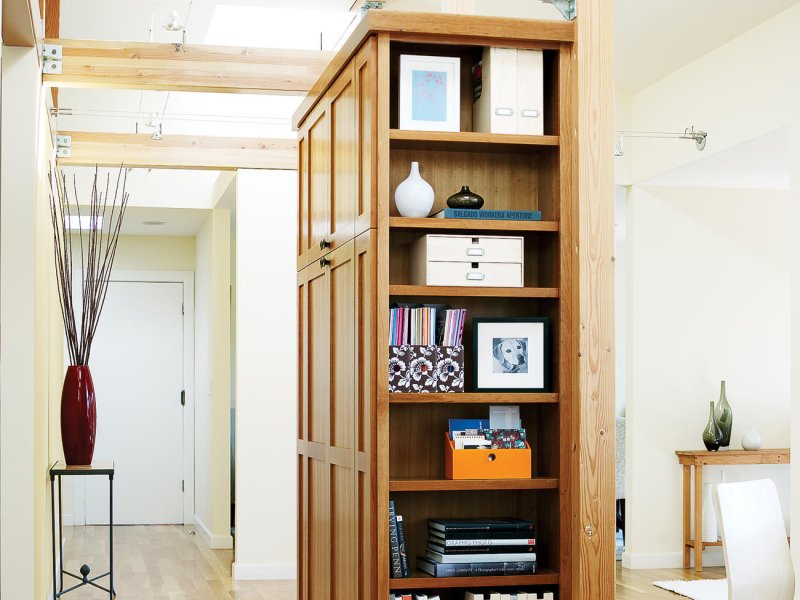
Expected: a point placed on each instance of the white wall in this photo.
(155, 253)
(31, 339)
(709, 300)
(212, 380)
(266, 375)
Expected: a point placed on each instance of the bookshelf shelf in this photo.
(443, 485)
(434, 224)
(474, 398)
(470, 140)
(421, 580)
(472, 292)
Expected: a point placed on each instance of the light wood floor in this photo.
(638, 585)
(167, 562)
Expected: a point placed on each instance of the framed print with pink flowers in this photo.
(430, 93)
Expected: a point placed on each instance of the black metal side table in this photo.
(59, 470)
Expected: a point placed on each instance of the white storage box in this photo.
(509, 92)
(462, 260)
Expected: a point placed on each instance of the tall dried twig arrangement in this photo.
(97, 235)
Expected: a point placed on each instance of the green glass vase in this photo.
(712, 434)
(724, 416)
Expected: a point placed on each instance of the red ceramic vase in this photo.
(78, 416)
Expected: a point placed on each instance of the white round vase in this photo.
(751, 440)
(414, 196)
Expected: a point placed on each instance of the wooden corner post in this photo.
(593, 59)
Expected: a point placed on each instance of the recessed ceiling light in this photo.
(153, 222)
(87, 222)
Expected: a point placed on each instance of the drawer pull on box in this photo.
(475, 251)
(530, 113)
(504, 112)
(491, 457)
(475, 276)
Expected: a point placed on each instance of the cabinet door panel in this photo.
(303, 212)
(365, 378)
(341, 274)
(318, 354)
(344, 153)
(366, 81)
(319, 530)
(319, 180)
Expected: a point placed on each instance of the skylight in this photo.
(263, 27)
(83, 222)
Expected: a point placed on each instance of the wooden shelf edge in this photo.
(472, 224)
(472, 137)
(444, 485)
(464, 291)
(474, 398)
(421, 580)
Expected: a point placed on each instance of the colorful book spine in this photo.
(490, 215)
(453, 525)
(401, 538)
(488, 549)
(435, 569)
(483, 542)
(395, 563)
(481, 558)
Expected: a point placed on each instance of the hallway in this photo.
(163, 562)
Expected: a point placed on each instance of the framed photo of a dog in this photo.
(510, 354)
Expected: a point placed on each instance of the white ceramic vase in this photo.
(414, 195)
(709, 515)
(751, 440)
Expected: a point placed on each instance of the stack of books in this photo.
(479, 547)
(398, 557)
(508, 596)
(489, 215)
(415, 596)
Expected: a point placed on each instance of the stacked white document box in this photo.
(508, 90)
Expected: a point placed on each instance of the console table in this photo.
(59, 470)
(699, 459)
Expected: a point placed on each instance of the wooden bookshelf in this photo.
(471, 225)
(442, 485)
(419, 581)
(361, 446)
(485, 142)
(474, 398)
(476, 292)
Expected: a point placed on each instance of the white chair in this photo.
(757, 558)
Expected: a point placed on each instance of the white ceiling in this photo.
(654, 38)
(761, 163)
(176, 221)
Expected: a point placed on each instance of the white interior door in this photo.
(137, 364)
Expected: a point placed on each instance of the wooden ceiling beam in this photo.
(21, 23)
(52, 29)
(191, 68)
(179, 151)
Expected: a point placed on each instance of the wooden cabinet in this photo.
(360, 446)
(336, 161)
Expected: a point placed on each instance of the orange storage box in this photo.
(495, 463)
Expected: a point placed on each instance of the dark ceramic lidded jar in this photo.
(465, 199)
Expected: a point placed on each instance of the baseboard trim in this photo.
(712, 557)
(215, 542)
(258, 571)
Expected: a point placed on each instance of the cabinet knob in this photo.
(324, 244)
(324, 262)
